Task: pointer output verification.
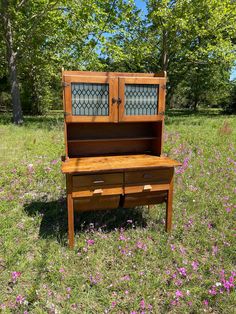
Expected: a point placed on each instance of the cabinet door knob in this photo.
(147, 187)
(97, 191)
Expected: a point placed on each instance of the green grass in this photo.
(130, 263)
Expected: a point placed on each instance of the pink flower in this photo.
(122, 237)
(182, 271)
(20, 299)
(179, 294)
(228, 209)
(195, 265)
(172, 247)
(54, 161)
(212, 291)
(125, 278)
(142, 304)
(228, 284)
(142, 246)
(15, 275)
(30, 168)
(90, 242)
(113, 304)
(61, 270)
(214, 250)
(205, 302)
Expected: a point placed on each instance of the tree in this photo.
(41, 36)
(191, 37)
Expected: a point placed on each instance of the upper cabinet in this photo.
(113, 97)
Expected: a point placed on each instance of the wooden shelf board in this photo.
(116, 163)
(112, 139)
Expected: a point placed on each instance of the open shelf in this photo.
(112, 139)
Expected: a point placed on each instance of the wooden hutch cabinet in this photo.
(113, 139)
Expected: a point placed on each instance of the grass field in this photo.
(123, 261)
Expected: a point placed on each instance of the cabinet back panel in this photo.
(108, 130)
(109, 148)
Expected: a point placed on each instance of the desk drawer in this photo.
(97, 191)
(96, 203)
(137, 199)
(158, 176)
(97, 179)
(144, 188)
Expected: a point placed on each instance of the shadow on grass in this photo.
(54, 219)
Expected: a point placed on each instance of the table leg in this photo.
(70, 208)
(169, 207)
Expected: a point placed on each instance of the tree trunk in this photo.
(164, 51)
(11, 59)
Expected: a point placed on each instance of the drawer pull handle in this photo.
(147, 175)
(97, 191)
(147, 187)
(98, 181)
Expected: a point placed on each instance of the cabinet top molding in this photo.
(113, 74)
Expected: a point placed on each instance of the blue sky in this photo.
(141, 5)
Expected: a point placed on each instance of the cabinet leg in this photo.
(70, 208)
(169, 208)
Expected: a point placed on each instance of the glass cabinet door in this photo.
(141, 99)
(89, 99)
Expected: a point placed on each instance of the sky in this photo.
(141, 5)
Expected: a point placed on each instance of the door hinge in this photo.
(65, 84)
(163, 86)
(66, 114)
(162, 113)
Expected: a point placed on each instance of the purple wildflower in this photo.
(15, 275)
(182, 271)
(90, 242)
(195, 265)
(142, 246)
(179, 294)
(142, 304)
(20, 299)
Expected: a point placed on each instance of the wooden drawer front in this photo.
(143, 188)
(94, 191)
(97, 179)
(138, 199)
(158, 176)
(96, 203)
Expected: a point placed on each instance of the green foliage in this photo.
(193, 40)
(123, 260)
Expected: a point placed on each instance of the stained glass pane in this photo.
(141, 99)
(90, 99)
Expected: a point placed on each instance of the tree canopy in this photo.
(193, 40)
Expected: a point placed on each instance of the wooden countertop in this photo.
(116, 163)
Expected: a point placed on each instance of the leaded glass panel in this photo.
(90, 99)
(141, 99)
